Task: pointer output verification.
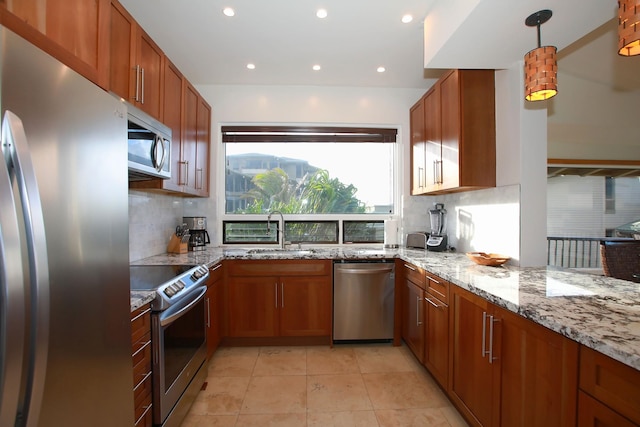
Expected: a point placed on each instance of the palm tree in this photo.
(319, 193)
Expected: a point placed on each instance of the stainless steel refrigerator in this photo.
(65, 332)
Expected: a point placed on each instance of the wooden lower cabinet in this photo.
(291, 298)
(141, 356)
(413, 284)
(214, 299)
(539, 374)
(507, 370)
(474, 378)
(609, 391)
(436, 347)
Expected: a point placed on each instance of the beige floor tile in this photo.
(272, 420)
(343, 392)
(454, 417)
(223, 396)
(342, 419)
(233, 362)
(282, 394)
(281, 361)
(431, 417)
(401, 390)
(327, 360)
(382, 358)
(193, 420)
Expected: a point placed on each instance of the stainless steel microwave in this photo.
(149, 147)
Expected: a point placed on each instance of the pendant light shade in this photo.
(540, 64)
(629, 27)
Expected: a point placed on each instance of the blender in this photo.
(437, 240)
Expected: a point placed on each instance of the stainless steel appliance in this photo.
(199, 237)
(363, 300)
(417, 240)
(149, 143)
(437, 237)
(178, 336)
(65, 330)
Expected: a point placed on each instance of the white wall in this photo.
(588, 120)
(306, 105)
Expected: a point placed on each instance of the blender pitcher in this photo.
(437, 237)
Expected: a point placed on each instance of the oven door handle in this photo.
(171, 314)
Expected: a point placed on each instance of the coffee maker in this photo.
(199, 237)
(437, 240)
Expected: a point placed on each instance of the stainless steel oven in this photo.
(178, 337)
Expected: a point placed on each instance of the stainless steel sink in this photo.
(292, 251)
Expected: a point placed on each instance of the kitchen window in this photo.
(332, 184)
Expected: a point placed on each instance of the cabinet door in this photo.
(413, 324)
(123, 52)
(417, 148)
(189, 139)
(539, 378)
(474, 381)
(214, 309)
(150, 79)
(450, 130)
(305, 306)
(436, 348)
(76, 32)
(172, 117)
(252, 306)
(433, 140)
(203, 131)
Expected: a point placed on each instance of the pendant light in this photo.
(540, 64)
(629, 27)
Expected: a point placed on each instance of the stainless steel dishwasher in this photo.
(363, 300)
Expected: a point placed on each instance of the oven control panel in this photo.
(175, 289)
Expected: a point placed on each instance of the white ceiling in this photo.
(284, 39)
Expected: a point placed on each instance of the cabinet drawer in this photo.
(143, 404)
(593, 413)
(141, 363)
(215, 273)
(140, 323)
(437, 287)
(611, 382)
(279, 268)
(414, 274)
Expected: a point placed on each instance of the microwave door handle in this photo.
(163, 158)
(12, 286)
(16, 150)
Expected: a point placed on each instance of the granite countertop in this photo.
(600, 312)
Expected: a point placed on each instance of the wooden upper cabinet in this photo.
(203, 132)
(189, 139)
(136, 63)
(417, 148)
(459, 129)
(76, 32)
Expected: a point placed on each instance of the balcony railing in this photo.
(574, 252)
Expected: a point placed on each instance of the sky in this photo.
(366, 166)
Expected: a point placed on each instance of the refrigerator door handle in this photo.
(16, 152)
(12, 303)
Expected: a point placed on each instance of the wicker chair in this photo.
(621, 259)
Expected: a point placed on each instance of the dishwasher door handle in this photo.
(368, 270)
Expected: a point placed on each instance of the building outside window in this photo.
(333, 185)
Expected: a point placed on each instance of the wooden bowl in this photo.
(482, 258)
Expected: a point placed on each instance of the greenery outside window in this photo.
(363, 231)
(309, 170)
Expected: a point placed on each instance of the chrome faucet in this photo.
(282, 242)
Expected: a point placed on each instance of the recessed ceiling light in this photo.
(407, 18)
(228, 11)
(381, 69)
(321, 13)
(316, 67)
(251, 66)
